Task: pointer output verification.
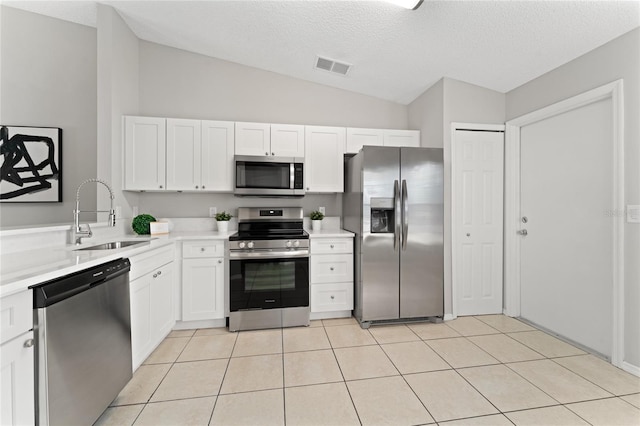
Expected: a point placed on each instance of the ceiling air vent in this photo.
(332, 66)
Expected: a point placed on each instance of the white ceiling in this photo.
(396, 53)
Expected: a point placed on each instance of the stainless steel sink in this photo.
(113, 245)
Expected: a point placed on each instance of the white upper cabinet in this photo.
(324, 158)
(287, 140)
(217, 155)
(145, 153)
(183, 154)
(178, 155)
(281, 140)
(253, 139)
(357, 138)
(401, 138)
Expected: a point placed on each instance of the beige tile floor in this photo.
(483, 370)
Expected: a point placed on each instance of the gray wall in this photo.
(117, 96)
(617, 59)
(180, 84)
(48, 78)
(446, 102)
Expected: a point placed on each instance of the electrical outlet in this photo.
(213, 211)
(118, 212)
(134, 211)
(321, 210)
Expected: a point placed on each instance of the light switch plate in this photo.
(633, 213)
(213, 211)
(321, 209)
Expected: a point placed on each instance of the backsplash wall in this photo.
(184, 204)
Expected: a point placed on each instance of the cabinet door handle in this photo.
(202, 249)
(331, 268)
(160, 186)
(219, 261)
(266, 153)
(28, 343)
(196, 186)
(159, 272)
(273, 153)
(155, 275)
(331, 245)
(202, 186)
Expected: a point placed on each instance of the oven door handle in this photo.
(268, 254)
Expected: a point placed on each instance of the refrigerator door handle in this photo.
(396, 206)
(405, 214)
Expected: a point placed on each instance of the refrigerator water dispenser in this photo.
(382, 216)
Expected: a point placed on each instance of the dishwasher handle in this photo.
(59, 289)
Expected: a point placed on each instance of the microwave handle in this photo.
(292, 175)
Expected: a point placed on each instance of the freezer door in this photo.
(380, 272)
(422, 255)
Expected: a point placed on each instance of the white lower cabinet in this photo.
(202, 280)
(17, 381)
(152, 301)
(331, 276)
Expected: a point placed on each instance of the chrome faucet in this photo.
(78, 232)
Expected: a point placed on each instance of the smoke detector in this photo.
(331, 65)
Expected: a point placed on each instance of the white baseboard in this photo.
(189, 325)
(630, 368)
(329, 315)
(449, 317)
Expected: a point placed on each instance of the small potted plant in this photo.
(316, 220)
(222, 220)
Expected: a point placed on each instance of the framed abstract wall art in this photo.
(30, 164)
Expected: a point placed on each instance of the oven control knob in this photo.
(241, 244)
(296, 243)
(289, 244)
(250, 244)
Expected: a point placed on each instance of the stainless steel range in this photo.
(269, 269)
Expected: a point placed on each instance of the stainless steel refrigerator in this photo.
(393, 201)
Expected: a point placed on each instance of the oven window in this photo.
(271, 276)
(263, 175)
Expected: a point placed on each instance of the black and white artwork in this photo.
(30, 164)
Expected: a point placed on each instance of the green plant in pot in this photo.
(141, 223)
(316, 220)
(222, 220)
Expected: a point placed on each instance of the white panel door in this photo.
(217, 155)
(141, 327)
(202, 289)
(357, 138)
(287, 140)
(324, 158)
(253, 139)
(410, 138)
(183, 154)
(478, 217)
(145, 151)
(17, 381)
(566, 263)
(162, 292)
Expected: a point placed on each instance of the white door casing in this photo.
(477, 218)
(514, 242)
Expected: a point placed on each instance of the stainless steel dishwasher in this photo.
(82, 327)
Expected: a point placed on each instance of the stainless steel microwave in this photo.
(269, 176)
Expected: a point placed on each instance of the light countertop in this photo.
(22, 269)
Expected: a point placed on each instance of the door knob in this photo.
(525, 219)
(523, 232)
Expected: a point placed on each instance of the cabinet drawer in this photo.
(16, 315)
(331, 268)
(146, 262)
(332, 297)
(323, 245)
(191, 249)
